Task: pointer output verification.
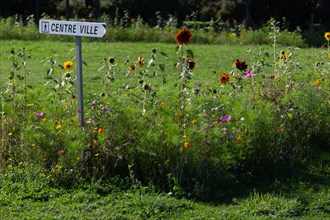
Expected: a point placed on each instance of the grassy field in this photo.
(302, 193)
(25, 194)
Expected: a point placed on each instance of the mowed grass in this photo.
(29, 196)
(210, 59)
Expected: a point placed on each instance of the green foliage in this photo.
(139, 32)
(162, 120)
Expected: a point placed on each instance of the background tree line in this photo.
(303, 13)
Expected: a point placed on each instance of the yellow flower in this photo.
(29, 105)
(184, 136)
(327, 36)
(194, 121)
(317, 82)
(100, 130)
(58, 126)
(186, 145)
(283, 56)
(68, 65)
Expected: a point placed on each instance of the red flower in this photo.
(190, 63)
(184, 36)
(241, 65)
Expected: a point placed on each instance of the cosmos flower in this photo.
(316, 82)
(225, 118)
(100, 130)
(248, 74)
(39, 114)
(187, 145)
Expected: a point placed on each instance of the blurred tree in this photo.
(303, 13)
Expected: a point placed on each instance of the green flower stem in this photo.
(182, 91)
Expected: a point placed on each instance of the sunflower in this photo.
(190, 63)
(327, 36)
(140, 62)
(241, 65)
(111, 60)
(224, 78)
(184, 36)
(283, 56)
(68, 65)
(131, 68)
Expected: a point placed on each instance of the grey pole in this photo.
(79, 81)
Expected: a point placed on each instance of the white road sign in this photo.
(73, 28)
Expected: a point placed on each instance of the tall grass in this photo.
(278, 115)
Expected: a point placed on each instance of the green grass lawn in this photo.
(26, 193)
(32, 200)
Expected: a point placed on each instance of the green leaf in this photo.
(190, 53)
(52, 61)
(163, 54)
(20, 77)
(150, 62)
(162, 67)
(50, 71)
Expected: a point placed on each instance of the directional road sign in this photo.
(83, 29)
(77, 29)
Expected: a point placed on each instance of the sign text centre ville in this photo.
(85, 29)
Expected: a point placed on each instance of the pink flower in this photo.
(248, 74)
(225, 118)
(39, 114)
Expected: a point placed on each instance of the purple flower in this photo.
(235, 168)
(39, 114)
(225, 118)
(248, 74)
(272, 77)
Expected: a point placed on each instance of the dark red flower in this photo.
(241, 65)
(184, 36)
(190, 63)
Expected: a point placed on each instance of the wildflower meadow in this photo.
(200, 122)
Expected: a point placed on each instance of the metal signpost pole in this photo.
(79, 82)
(77, 29)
